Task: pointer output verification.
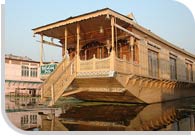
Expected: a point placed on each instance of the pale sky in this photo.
(169, 19)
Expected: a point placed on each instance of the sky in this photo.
(169, 19)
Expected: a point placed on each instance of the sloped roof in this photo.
(78, 18)
(111, 12)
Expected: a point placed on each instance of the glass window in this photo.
(189, 72)
(33, 72)
(173, 68)
(153, 68)
(25, 71)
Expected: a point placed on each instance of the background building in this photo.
(21, 76)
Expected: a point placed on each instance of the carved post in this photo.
(112, 25)
(41, 50)
(131, 44)
(131, 41)
(78, 37)
(112, 51)
(65, 39)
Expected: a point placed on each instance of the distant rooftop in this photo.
(11, 56)
(25, 58)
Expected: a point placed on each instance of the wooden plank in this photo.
(127, 31)
(51, 43)
(72, 92)
(65, 39)
(41, 51)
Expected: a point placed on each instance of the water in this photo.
(73, 115)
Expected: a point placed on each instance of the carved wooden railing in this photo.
(94, 64)
(63, 81)
(123, 66)
(120, 65)
(46, 86)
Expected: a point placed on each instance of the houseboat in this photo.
(108, 56)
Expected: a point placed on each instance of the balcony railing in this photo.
(123, 66)
(112, 63)
(94, 65)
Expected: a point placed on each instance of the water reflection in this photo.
(20, 103)
(99, 117)
(124, 118)
(174, 116)
(29, 121)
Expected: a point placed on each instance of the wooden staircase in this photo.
(57, 82)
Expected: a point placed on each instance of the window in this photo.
(153, 68)
(25, 71)
(189, 72)
(136, 52)
(173, 68)
(33, 72)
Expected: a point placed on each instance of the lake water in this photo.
(74, 115)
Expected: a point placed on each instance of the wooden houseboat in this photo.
(109, 57)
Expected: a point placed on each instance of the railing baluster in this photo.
(94, 62)
(52, 94)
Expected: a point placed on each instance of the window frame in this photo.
(173, 67)
(153, 63)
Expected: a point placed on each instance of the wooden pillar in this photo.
(65, 39)
(78, 38)
(112, 43)
(112, 27)
(131, 41)
(64, 47)
(132, 44)
(41, 50)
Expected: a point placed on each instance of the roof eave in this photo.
(71, 20)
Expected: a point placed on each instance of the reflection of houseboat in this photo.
(159, 116)
(112, 58)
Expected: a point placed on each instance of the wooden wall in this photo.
(163, 55)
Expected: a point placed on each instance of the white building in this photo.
(21, 75)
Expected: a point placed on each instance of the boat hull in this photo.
(132, 90)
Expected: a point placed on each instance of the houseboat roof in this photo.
(51, 30)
